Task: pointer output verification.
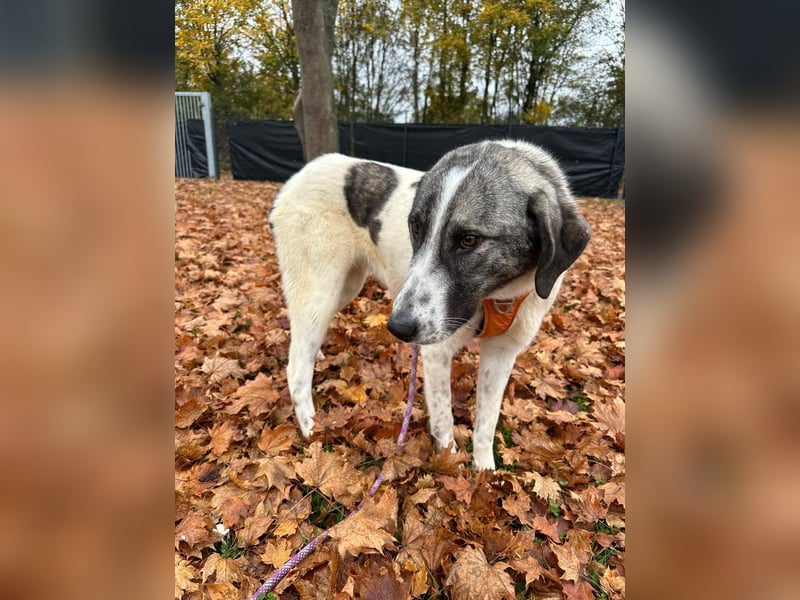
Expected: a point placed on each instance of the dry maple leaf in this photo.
(228, 299)
(611, 416)
(547, 526)
(233, 509)
(276, 553)
(528, 566)
(612, 583)
(258, 523)
(277, 440)
(223, 433)
(190, 411)
(545, 487)
(519, 506)
(218, 368)
(574, 554)
(276, 469)
(369, 530)
(376, 320)
(332, 474)
(224, 569)
(257, 395)
(613, 491)
(194, 529)
(461, 487)
(587, 505)
(579, 590)
(185, 576)
(222, 591)
(473, 578)
(380, 579)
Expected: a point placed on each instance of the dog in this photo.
(475, 247)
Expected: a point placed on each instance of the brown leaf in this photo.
(547, 526)
(276, 553)
(613, 491)
(380, 580)
(222, 591)
(528, 566)
(219, 368)
(448, 463)
(257, 395)
(277, 470)
(277, 440)
(233, 509)
(587, 505)
(579, 590)
(545, 487)
(227, 300)
(190, 411)
(224, 569)
(573, 555)
(519, 506)
(194, 529)
(461, 488)
(332, 475)
(472, 578)
(611, 416)
(369, 530)
(222, 435)
(185, 577)
(612, 582)
(257, 524)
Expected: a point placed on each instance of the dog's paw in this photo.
(483, 462)
(306, 424)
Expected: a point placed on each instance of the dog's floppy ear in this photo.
(562, 235)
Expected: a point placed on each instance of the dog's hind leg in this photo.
(309, 320)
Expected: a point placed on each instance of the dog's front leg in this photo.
(437, 360)
(497, 361)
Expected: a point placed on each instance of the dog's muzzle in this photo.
(402, 326)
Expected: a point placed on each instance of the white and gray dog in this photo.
(475, 247)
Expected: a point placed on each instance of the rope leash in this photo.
(309, 548)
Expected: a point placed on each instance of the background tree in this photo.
(429, 61)
(273, 47)
(210, 56)
(315, 111)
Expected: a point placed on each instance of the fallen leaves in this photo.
(332, 475)
(371, 529)
(473, 578)
(550, 523)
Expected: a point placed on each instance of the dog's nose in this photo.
(402, 327)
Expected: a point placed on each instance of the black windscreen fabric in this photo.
(592, 158)
(196, 144)
(264, 150)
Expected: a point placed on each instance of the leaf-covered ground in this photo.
(549, 523)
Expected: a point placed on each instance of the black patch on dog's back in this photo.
(367, 187)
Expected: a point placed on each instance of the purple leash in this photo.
(309, 548)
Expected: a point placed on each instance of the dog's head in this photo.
(484, 216)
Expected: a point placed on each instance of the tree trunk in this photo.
(314, 21)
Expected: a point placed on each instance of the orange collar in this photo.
(498, 315)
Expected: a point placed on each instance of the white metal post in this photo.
(208, 123)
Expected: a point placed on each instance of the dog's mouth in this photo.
(409, 329)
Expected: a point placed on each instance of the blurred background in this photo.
(86, 259)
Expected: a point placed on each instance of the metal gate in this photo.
(195, 147)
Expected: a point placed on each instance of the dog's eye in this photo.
(413, 226)
(468, 241)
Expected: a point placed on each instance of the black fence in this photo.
(593, 158)
(193, 144)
